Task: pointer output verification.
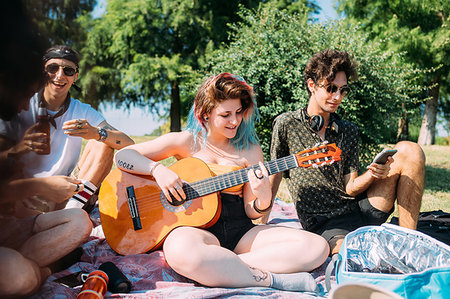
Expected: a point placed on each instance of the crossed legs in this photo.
(197, 254)
(55, 235)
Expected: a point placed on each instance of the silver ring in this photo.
(178, 187)
(79, 121)
(258, 176)
(78, 188)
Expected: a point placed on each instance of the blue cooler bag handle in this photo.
(335, 262)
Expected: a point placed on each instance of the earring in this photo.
(206, 118)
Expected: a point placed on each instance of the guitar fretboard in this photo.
(234, 178)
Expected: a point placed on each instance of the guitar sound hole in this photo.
(175, 202)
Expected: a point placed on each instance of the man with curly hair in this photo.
(335, 199)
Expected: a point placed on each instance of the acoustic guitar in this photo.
(136, 216)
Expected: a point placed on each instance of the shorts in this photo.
(233, 223)
(362, 214)
(15, 231)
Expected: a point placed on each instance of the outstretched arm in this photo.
(113, 137)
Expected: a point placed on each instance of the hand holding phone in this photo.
(382, 157)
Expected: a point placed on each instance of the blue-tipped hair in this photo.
(217, 89)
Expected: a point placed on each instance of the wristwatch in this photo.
(103, 134)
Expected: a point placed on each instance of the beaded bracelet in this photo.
(262, 211)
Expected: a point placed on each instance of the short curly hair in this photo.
(325, 64)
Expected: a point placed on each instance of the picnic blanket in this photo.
(151, 276)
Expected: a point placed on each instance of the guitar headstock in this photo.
(319, 155)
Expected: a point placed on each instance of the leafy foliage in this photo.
(146, 51)
(56, 20)
(141, 51)
(270, 49)
(418, 28)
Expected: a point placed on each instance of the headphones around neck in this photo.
(316, 122)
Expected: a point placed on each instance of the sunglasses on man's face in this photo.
(53, 68)
(332, 88)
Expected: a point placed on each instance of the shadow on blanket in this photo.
(151, 277)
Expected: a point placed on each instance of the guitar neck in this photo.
(234, 178)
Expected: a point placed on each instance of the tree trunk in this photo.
(402, 131)
(428, 130)
(175, 106)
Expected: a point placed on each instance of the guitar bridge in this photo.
(132, 205)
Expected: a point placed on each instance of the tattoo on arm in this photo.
(117, 141)
(261, 276)
(125, 165)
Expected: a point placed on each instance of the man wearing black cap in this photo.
(70, 119)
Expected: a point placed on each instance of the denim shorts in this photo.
(362, 214)
(233, 223)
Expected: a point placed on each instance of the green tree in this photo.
(270, 50)
(145, 51)
(142, 51)
(420, 28)
(56, 20)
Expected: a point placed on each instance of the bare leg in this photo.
(95, 162)
(411, 185)
(265, 247)
(197, 254)
(94, 165)
(57, 234)
(20, 276)
(404, 183)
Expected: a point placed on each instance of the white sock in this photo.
(82, 197)
(296, 282)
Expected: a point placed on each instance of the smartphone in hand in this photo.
(382, 157)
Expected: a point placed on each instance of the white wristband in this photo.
(153, 168)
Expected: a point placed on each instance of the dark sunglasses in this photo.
(53, 68)
(331, 88)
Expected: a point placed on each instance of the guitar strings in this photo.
(214, 184)
(208, 186)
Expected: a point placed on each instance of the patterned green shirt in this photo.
(316, 191)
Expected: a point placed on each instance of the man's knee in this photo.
(81, 223)
(76, 221)
(410, 151)
(20, 276)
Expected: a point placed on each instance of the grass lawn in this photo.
(437, 181)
